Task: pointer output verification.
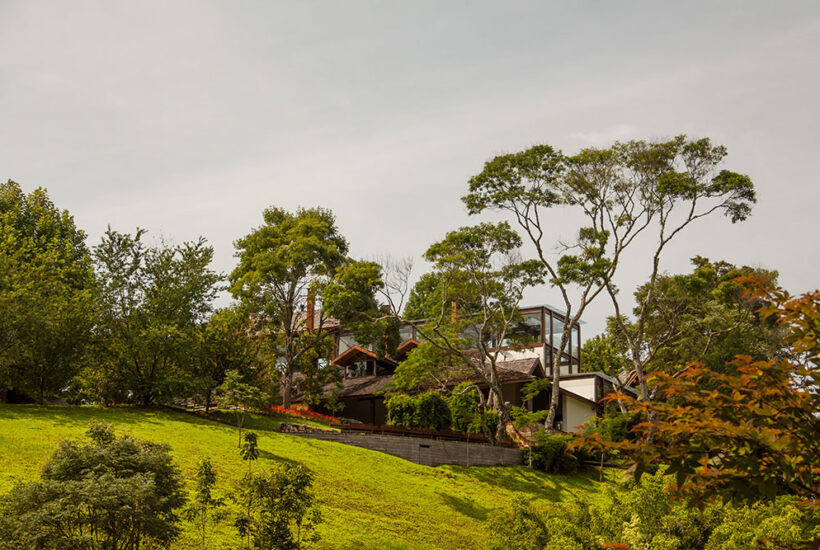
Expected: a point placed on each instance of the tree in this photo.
(112, 492)
(249, 451)
(153, 299)
(616, 194)
(705, 316)
(223, 343)
(204, 501)
(239, 396)
(744, 435)
(479, 266)
(47, 293)
(281, 508)
(294, 274)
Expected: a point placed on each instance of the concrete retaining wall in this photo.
(429, 452)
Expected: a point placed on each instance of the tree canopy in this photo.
(47, 293)
(153, 300)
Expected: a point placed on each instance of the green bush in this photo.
(401, 410)
(432, 412)
(641, 515)
(463, 404)
(428, 410)
(550, 454)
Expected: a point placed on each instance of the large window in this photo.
(358, 369)
(405, 333)
(346, 341)
(576, 341)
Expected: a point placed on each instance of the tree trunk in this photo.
(287, 387)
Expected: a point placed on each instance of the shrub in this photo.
(641, 515)
(432, 412)
(550, 454)
(463, 404)
(401, 410)
(112, 492)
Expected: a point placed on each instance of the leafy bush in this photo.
(550, 454)
(641, 515)
(463, 404)
(432, 412)
(555, 528)
(401, 410)
(428, 410)
(112, 492)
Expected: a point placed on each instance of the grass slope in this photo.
(368, 499)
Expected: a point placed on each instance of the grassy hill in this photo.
(368, 499)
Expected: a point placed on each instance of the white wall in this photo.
(576, 413)
(585, 387)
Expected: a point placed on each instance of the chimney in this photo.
(310, 310)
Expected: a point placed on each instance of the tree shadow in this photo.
(465, 507)
(524, 480)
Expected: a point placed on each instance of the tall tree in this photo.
(612, 196)
(47, 293)
(224, 343)
(153, 299)
(281, 263)
(294, 274)
(481, 283)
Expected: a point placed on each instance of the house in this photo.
(366, 375)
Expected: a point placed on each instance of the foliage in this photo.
(239, 396)
(112, 492)
(744, 436)
(203, 500)
(281, 508)
(153, 299)
(427, 410)
(358, 490)
(613, 425)
(47, 294)
(222, 344)
(552, 454)
(464, 408)
(432, 411)
(641, 515)
(250, 449)
(474, 266)
(401, 410)
(614, 194)
(288, 266)
(705, 316)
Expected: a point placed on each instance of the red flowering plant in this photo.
(304, 414)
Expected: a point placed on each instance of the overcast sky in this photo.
(189, 118)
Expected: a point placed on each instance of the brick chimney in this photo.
(310, 310)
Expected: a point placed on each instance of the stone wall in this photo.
(429, 452)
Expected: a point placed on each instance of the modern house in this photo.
(366, 375)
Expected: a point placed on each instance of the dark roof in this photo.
(358, 353)
(518, 370)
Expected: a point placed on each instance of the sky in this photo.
(188, 118)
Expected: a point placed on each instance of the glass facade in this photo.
(346, 341)
(405, 334)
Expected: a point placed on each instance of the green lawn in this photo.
(368, 499)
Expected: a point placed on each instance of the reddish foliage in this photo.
(304, 414)
(745, 435)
